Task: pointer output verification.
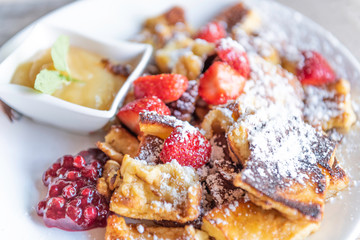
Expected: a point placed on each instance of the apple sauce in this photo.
(96, 86)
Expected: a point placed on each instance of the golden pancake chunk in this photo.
(158, 30)
(245, 220)
(217, 120)
(117, 229)
(157, 192)
(256, 44)
(241, 16)
(270, 86)
(283, 165)
(329, 106)
(110, 178)
(152, 123)
(119, 142)
(184, 55)
(338, 180)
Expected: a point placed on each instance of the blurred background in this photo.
(341, 17)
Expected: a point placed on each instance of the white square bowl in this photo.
(47, 109)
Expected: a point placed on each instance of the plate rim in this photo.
(10, 45)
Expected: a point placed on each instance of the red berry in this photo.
(69, 192)
(56, 202)
(90, 213)
(72, 175)
(40, 208)
(54, 190)
(86, 192)
(55, 208)
(56, 166)
(167, 87)
(96, 164)
(61, 172)
(220, 83)
(79, 162)
(187, 146)
(67, 161)
(314, 70)
(76, 202)
(129, 114)
(74, 213)
(72, 188)
(89, 172)
(234, 54)
(212, 32)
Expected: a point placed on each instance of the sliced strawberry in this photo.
(315, 70)
(129, 114)
(167, 87)
(187, 146)
(212, 32)
(234, 54)
(220, 83)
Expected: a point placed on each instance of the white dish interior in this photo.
(57, 112)
(32, 147)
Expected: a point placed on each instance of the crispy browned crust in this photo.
(338, 179)
(119, 142)
(298, 201)
(110, 151)
(245, 220)
(295, 200)
(117, 229)
(158, 125)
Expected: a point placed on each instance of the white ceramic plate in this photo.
(28, 148)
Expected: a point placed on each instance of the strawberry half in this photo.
(234, 54)
(220, 83)
(167, 87)
(212, 32)
(129, 114)
(187, 146)
(315, 70)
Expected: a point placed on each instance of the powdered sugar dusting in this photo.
(228, 43)
(269, 85)
(284, 147)
(321, 105)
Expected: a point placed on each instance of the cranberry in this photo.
(67, 161)
(72, 202)
(40, 208)
(54, 191)
(50, 173)
(61, 172)
(79, 162)
(96, 164)
(90, 213)
(90, 172)
(87, 192)
(69, 192)
(74, 213)
(72, 175)
(76, 202)
(55, 208)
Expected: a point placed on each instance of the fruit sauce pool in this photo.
(72, 202)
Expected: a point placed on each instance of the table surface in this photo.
(341, 17)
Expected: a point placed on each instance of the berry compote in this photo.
(72, 202)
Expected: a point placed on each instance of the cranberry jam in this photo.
(72, 202)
